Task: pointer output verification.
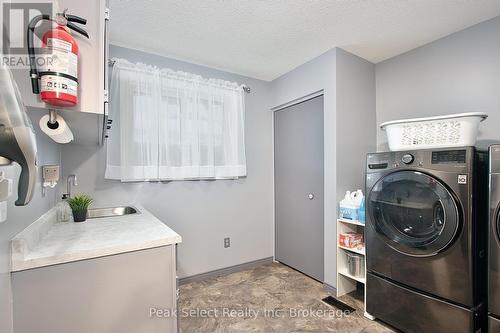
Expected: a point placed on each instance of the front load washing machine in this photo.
(426, 239)
(494, 240)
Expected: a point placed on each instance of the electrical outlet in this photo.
(50, 173)
(227, 242)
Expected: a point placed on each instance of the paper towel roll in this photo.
(60, 132)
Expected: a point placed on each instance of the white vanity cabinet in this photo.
(118, 293)
(92, 59)
(104, 275)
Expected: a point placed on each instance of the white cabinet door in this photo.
(92, 62)
(115, 293)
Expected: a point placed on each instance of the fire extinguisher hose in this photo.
(76, 19)
(77, 29)
(31, 51)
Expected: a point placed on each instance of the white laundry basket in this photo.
(433, 132)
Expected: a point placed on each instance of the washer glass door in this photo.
(413, 213)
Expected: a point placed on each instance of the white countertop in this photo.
(47, 242)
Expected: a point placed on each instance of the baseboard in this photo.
(330, 289)
(225, 271)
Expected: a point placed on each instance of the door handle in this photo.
(310, 196)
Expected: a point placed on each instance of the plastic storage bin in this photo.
(351, 240)
(433, 132)
(355, 264)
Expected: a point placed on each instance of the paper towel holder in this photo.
(54, 126)
(52, 123)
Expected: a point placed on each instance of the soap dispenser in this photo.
(63, 210)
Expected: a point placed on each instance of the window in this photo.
(173, 125)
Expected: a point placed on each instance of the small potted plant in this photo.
(79, 206)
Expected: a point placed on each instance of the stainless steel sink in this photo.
(95, 213)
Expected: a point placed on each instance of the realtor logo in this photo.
(16, 16)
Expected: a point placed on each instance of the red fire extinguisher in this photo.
(57, 81)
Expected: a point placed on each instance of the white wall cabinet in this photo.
(92, 60)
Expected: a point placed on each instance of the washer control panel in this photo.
(449, 156)
(459, 161)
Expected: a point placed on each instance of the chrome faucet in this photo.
(72, 180)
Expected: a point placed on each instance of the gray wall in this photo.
(20, 217)
(458, 73)
(348, 85)
(355, 128)
(202, 212)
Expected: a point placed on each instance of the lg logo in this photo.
(462, 179)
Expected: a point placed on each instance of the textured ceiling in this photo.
(266, 38)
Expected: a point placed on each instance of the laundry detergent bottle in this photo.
(347, 208)
(362, 211)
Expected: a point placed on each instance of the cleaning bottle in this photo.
(347, 199)
(346, 207)
(357, 198)
(362, 211)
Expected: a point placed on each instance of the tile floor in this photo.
(268, 298)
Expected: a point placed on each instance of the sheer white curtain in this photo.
(171, 125)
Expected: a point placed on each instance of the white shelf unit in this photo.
(357, 251)
(347, 283)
